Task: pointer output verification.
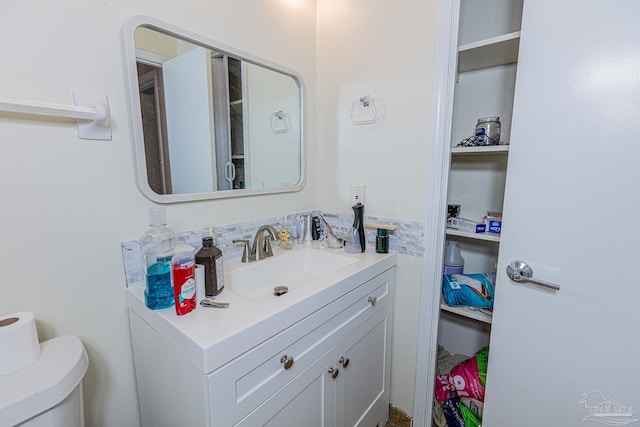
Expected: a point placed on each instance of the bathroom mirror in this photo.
(208, 120)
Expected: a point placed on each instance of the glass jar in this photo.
(488, 131)
(382, 241)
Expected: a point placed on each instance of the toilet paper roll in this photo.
(19, 346)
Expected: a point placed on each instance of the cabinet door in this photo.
(363, 360)
(308, 400)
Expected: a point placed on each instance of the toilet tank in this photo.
(49, 392)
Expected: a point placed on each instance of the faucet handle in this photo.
(247, 255)
(267, 247)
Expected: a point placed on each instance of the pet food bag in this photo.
(471, 290)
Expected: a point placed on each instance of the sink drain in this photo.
(280, 290)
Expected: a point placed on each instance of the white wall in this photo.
(68, 203)
(384, 49)
(273, 157)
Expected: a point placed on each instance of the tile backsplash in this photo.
(406, 239)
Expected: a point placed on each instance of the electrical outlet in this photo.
(357, 194)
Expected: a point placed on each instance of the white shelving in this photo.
(490, 237)
(490, 52)
(471, 313)
(486, 71)
(480, 150)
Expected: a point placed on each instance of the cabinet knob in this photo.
(287, 361)
(373, 300)
(344, 361)
(334, 372)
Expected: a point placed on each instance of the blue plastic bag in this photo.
(471, 290)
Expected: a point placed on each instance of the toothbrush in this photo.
(329, 229)
(308, 239)
(300, 228)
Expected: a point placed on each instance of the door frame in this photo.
(446, 61)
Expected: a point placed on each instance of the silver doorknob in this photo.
(344, 361)
(521, 272)
(372, 300)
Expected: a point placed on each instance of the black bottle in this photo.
(356, 241)
(211, 258)
(316, 231)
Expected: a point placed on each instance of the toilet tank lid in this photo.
(61, 366)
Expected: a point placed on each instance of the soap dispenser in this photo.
(356, 241)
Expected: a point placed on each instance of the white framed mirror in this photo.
(210, 121)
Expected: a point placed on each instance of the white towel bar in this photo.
(91, 112)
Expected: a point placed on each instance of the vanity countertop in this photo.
(210, 337)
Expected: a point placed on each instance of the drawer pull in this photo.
(344, 361)
(373, 300)
(287, 361)
(334, 372)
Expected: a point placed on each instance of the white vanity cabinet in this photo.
(329, 368)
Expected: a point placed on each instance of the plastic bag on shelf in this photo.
(471, 290)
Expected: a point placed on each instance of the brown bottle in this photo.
(211, 258)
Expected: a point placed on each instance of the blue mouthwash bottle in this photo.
(157, 246)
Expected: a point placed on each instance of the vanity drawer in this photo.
(243, 384)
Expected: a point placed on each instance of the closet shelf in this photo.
(467, 312)
(480, 150)
(490, 237)
(490, 52)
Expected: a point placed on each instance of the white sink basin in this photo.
(256, 281)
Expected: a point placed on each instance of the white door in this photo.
(570, 358)
(190, 124)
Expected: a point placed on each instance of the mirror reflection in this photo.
(213, 121)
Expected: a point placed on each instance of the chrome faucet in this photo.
(247, 255)
(261, 244)
(261, 247)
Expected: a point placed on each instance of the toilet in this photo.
(49, 392)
